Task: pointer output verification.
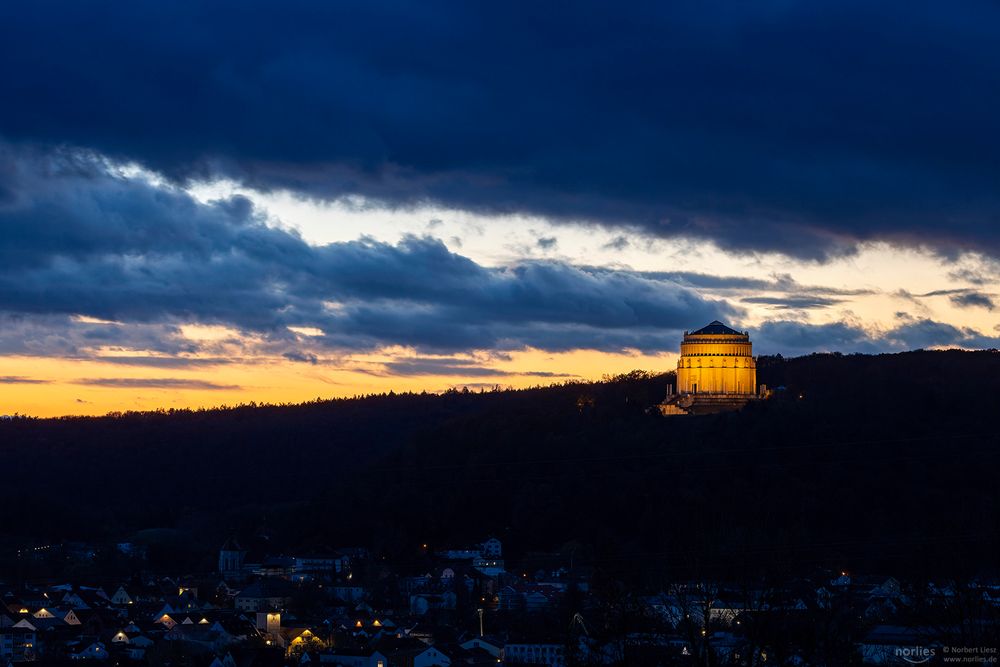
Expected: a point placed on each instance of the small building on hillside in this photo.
(265, 595)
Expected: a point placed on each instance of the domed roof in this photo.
(716, 328)
(231, 545)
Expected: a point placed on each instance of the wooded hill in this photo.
(884, 462)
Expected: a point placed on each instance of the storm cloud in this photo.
(80, 241)
(792, 337)
(801, 128)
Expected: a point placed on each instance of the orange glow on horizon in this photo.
(52, 387)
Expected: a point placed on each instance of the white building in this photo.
(540, 653)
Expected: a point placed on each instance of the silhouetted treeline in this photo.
(882, 462)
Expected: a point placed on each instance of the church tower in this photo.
(231, 559)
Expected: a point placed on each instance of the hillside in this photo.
(884, 461)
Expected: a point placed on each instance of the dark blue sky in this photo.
(802, 131)
(792, 126)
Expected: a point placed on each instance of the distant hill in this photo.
(886, 461)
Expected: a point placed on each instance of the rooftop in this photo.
(716, 327)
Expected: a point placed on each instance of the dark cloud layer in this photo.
(797, 127)
(165, 362)
(793, 302)
(78, 241)
(963, 297)
(153, 383)
(973, 300)
(790, 337)
(19, 379)
(782, 282)
(455, 366)
(140, 260)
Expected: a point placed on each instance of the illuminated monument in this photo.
(716, 372)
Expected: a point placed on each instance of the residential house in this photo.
(264, 596)
(94, 651)
(530, 597)
(488, 565)
(348, 592)
(349, 658)
(491, 645)
(320, 564)
(410, 652)
(121, 597)
(17, 644)
(549, 653)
